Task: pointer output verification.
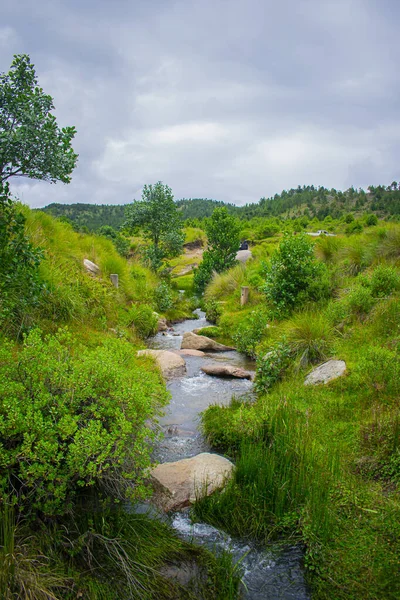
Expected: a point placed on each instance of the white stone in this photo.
(326, 372)
(91, 266)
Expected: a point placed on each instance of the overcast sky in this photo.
(225, 99)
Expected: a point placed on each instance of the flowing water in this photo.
(269, 573)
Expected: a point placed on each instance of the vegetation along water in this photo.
(311, 507)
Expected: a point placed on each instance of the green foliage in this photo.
(226, 283)
(121, 243)
(371, 220)
(143, 319)
(31, 143)
(163, 296)
(223, 243)
(359, 301)
(292, 273)
(272, 366)
(73, 417)
(213, 310)
(379, 371)
(384, 281)
(19, 262)
(250, 332)
(156, 214)
(310, 337)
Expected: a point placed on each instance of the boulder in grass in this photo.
(328, 371)
(171, 364)
(177, 484)
(91, 267)
(226, 371)
(191, 341)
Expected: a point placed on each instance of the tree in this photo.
(294, 274)
(157, 215)
(223, 243)
(31, 143)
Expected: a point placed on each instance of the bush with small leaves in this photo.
(272, 366)
(73, 417)
(250, 331)
(163, 296)
(143, 319)
(384, 281)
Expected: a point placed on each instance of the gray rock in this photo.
(190, 352)
(177, 484)
(91, 266)
(243, 255)
(326, 372)
(171, 364)
(191, 341)
(226, 371)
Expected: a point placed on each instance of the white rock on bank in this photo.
(326, 372)
(91, 266)
(191, 341)
(178, 483)
(171, 364)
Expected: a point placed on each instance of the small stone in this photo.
(332, 369)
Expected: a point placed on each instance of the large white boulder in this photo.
(91, 266)
(191, 341)
(243, 255)
(326, 372)
(177, 484)
(171, 364)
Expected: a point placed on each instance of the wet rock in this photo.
(191, 341)
(91, 267)
(178, 483)
(162, 324)
(326, 372)
(226, 371)
(171, 364)
(190, 352)
(187, 574)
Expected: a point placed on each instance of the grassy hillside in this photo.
(317, 464)
(78, 420)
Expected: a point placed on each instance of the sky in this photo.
(231, 100)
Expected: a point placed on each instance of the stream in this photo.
(268, 573)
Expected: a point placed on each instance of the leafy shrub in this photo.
(310, 337)
(384, 281)
(213, 310)
(380, 441)
(163, 296)
(250, 331)
(73, 417)
(272, 366)
(292, 272)
(359, 301)
(371, 220)
(143, 319)
(19, 261)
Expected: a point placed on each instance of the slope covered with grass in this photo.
(317, 464)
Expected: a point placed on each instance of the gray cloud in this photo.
(232, 100)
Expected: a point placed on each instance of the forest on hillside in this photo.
(309, 201)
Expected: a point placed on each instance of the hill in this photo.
(309, 201)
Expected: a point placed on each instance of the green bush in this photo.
(359, 301)
(213, 310)
(19, 261)
(163, 296)
(250, 331)
(384, 281)
(272, 366)
(293, 272)
(143, 319)
(379, 371)
(73, 417)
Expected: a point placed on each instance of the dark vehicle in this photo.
(244, 245)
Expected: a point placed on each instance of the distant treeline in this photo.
(311, 201)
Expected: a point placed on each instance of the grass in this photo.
(322, 464)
